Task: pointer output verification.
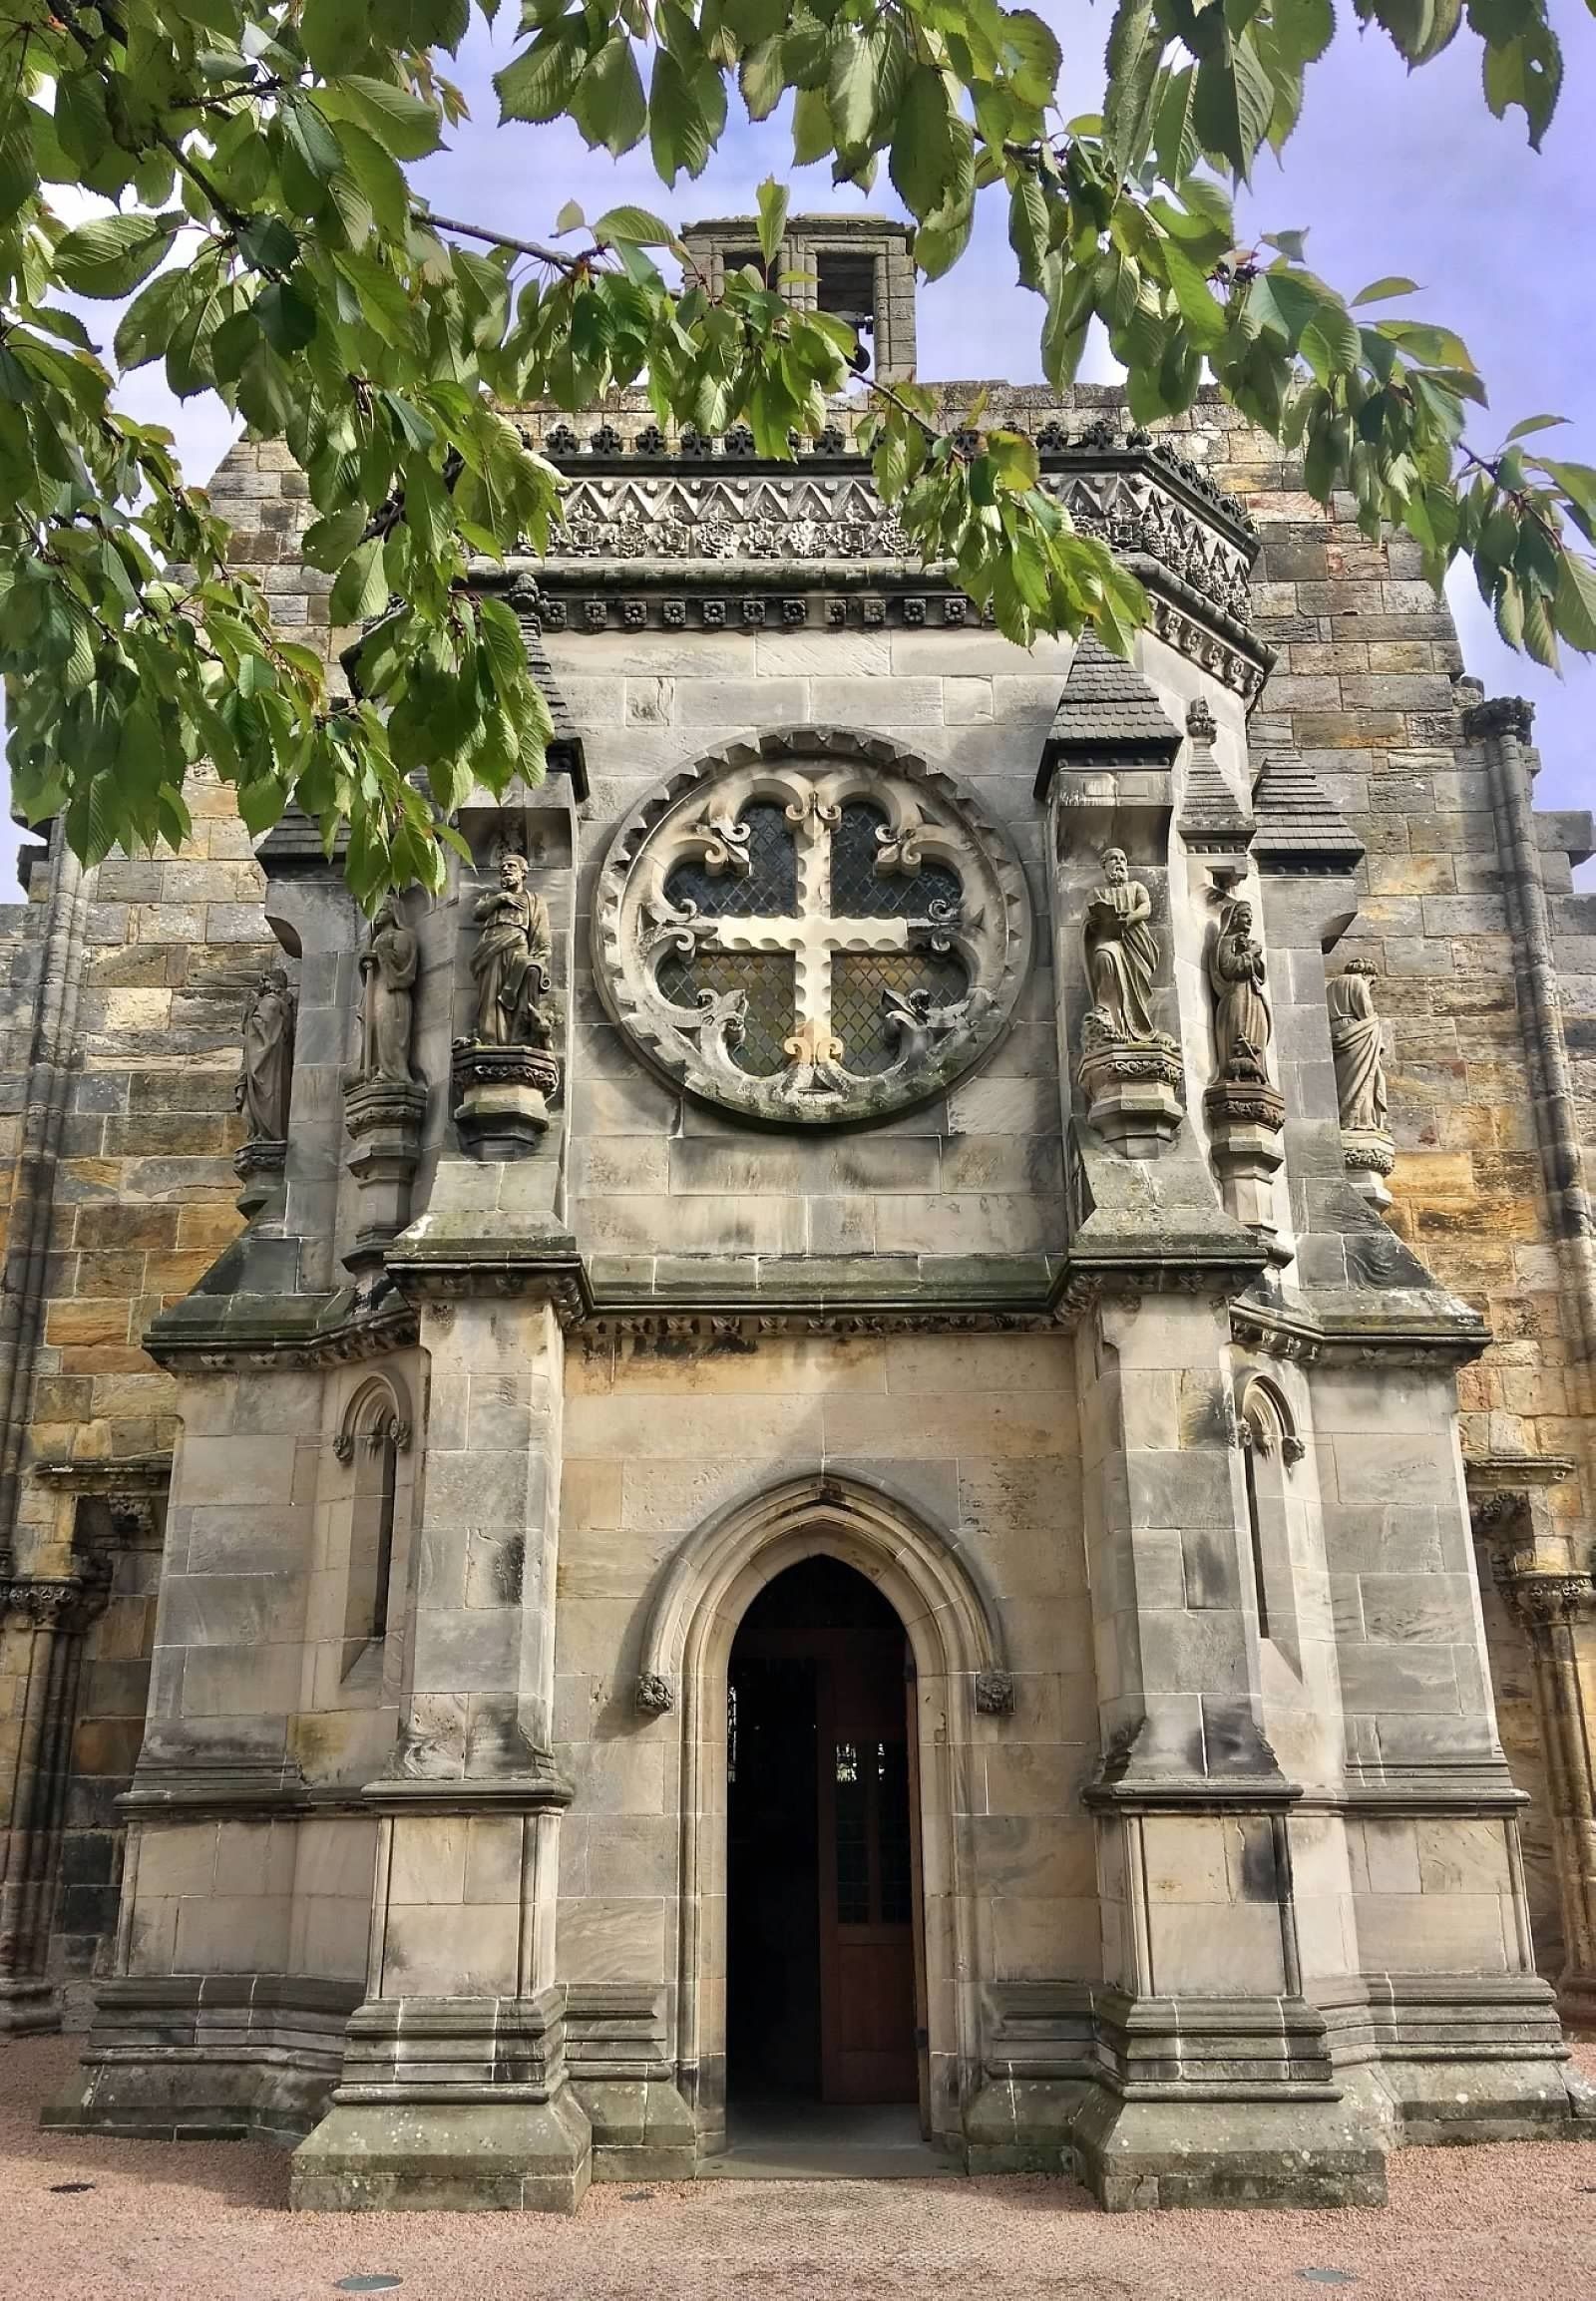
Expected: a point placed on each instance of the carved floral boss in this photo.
(817, 928)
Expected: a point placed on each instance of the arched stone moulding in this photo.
(377, 1408)
(812, 773)
(1267, 1419)
(956, 1641)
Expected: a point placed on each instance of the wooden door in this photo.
(867, 1875)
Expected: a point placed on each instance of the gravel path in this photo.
(200, 2219)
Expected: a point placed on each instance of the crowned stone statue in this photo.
(267, 1082)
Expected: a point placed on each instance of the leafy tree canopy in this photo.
(253, 154)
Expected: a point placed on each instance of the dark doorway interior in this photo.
(822, 1887)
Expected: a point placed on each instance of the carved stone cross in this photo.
(814, 933)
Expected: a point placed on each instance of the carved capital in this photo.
(1499, 716)
(55, 1603)
(1542, 1599)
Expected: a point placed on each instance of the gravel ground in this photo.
(200, 2219)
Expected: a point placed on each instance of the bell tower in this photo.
(858, 266)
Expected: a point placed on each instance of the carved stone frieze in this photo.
(1140, 504)
(817, 927)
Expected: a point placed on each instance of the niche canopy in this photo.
(813, 928)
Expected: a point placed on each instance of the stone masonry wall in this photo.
(1367, 657)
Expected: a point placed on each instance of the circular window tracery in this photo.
(814, 928)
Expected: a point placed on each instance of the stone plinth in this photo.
(383, 1117)
(1133, 1092)
(502, 1097)
(261, 1170)
(1245, 1118)
(1371, 1155)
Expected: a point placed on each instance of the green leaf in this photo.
(1382, 291)
(1521, 431)
(635, 225)
(1526, 72)
(110, 256)
(1234, 103)
(850, 83)
(336, 33)
(538, 83)
(267, 244)
(402, 123)
(1574, 609)
(679, 127)
(289, 321)
(361, 589)
(146, 328)
(1135, 59)
(609, 105)
(772, 220)
(1303, 29)
(919, 164)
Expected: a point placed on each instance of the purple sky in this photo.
(1393, 174)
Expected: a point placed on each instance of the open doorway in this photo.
(825, 1956)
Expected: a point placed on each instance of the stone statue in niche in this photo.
(505, 1072)
(384, 1102)
(1245, 1113)
(1121, 954)
(510, 965)
(387, 1009)
(1358, 1044)
(266, 1080)
(1130, 1070)
(1243, 1021)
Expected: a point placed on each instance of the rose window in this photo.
(820, 928)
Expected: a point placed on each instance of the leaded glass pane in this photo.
(859, 981)
(856, 889)
(766, 976)
(770, 888)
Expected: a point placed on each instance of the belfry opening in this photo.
(825, 1957)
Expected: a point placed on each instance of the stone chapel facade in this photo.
(903, 1406)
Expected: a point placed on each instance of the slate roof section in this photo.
(566, 754)
(1212, 819)
(1107, 712)
(1298, 825)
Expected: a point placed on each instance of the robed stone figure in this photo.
(265, 1084)
(510, 965)
(1357, 1042)
(1242, 1022)
(387, 1009)
(1121, 954)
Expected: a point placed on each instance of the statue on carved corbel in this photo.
(505, 1072)
(1244, 1111)
(263, 1091)
(1357, 1041)
(1130, 1071)
(384, 1102)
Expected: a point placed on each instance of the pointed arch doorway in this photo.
(826, 1974)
